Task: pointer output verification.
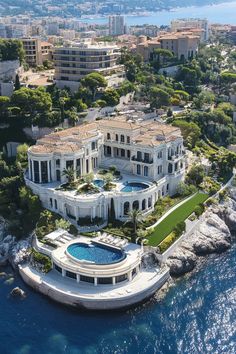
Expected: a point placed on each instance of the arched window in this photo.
(149, 202)
(108, 136)
(144, 204)
(126, 208)
(136, 204)
(117, 137)
(122, 138)
(145, 171)
(138, 170)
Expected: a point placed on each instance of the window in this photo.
(138, 170)
(87, 279)
(146, 157)
(58, 162)
(58, 173)
(121, 278)
(93, 146)
(108, 136)
(159, 155)
(87, 166)
(104, 280)
(159, 169)
(122, 138)
(36, 171)
(122, 153)
(59, 269)
(55, 203)
(139, 155)
(51, 202)
(69, 164)
(117, 137)
(70, 275)
(126, 208)
(128, 154)
(44, 171)
(145, 171)
(149, 202)
(128, 139)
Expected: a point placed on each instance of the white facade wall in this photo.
(161, 167)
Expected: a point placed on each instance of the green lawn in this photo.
(180, 214)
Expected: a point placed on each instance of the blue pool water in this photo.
(134, 187)
(197, 316)
(98, 183)
(95, 253)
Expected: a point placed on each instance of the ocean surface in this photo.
(197, 315)
(217, 13)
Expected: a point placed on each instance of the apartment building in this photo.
(117, 25)
(191, 23)
(75, 60)
(36, 51)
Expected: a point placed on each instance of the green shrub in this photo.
(179, 228)
(167, 242)
(199, 209)
(40, 258)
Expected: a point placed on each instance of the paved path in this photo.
(170, 211)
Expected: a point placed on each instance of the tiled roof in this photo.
(72, 139)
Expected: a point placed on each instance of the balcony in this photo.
(145, 161)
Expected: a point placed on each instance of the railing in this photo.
(136, 159)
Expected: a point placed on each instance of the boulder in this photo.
(181, 262)
(18, 292)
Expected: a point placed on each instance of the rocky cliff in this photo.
(213, 235)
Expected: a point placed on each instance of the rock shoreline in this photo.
(213, 235)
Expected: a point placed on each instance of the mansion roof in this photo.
(145, 133)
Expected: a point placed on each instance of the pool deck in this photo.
(100, 297)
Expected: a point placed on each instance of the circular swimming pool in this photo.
(95, 253)
(98, 183)
(134, 187)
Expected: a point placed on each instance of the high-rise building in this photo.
(116, 25)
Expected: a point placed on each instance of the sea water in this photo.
(197, 315)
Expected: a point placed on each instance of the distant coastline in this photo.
(223, 12)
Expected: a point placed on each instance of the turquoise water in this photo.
(98, 183)
(198, 315)
(220, 13)
(134, 187)
(95, 253)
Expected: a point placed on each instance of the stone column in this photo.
(40, 172)
(63, 272)
(95, 281)
(113, 280)
(77, 278)
(130, 275)
(33, 178)
(29, 168)
(48, 167)
(74, 167)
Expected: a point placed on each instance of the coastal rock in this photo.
(212, 236)
(3, 227)
(18, 292)
(20, 252)
(5, 247)
(181, 262)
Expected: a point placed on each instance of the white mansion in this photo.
(148, 154)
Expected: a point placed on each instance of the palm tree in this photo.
(135, 217)
(69, 173)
